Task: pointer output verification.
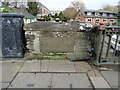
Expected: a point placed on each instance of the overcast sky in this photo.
(90, 4)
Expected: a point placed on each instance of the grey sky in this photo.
(90, 4)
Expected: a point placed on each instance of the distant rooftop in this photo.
(99, 12)
(42, 6)
(55, 11)
(19, 11)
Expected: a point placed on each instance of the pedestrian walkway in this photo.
(54, 74)
(55, 66)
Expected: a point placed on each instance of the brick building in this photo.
(43, 10)
(96, 16)
(53, 12)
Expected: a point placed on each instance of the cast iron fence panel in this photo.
(107, 46)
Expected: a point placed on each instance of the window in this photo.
(89, 20)
(28, 20)
(104, 14)
(111, 20)
(96, 14)
(111, 15)
(89, 13)
(104, 20)
(97, 21)
(100, 14)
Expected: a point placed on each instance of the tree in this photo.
(77, 4)
(70, 13)
(7, 10)
(56, 15)
(14, 3)
(5, 3)
(109, 8)
(33, 8)
(61, 16)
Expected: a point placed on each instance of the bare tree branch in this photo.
(109, 8)
(77, 4)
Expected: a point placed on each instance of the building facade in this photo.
(43, 10)
(53, 12)
(96, 16)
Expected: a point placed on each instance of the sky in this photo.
(90, 4)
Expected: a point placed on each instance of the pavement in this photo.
(52, 74)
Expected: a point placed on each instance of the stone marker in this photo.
(0, 54)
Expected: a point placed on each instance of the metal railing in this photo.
(107, 45)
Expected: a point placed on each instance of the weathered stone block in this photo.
(43, 37)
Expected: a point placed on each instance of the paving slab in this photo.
(44, 65)
(109, 67)
(31, 66)
(70, 81)
(94, 73)
(32, 80)
(0, 86)
(82, 66)
(61, 66)
(10, 69)
(5, 85)
(0, 71)
(99, 82)
(111, 77)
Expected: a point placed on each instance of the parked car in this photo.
(113, 42)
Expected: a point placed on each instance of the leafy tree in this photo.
(56, 15)
(33, 8)
(6, 10)
(61, 16)
(45, 16)
(5, 3)
(14, 3)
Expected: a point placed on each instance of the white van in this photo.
(113, 42)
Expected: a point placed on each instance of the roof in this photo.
(56, 11)
(98, 11)
(42, 6)
(10, 15)
(19, 11)
(22, 12)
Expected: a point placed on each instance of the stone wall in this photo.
(43, 37)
